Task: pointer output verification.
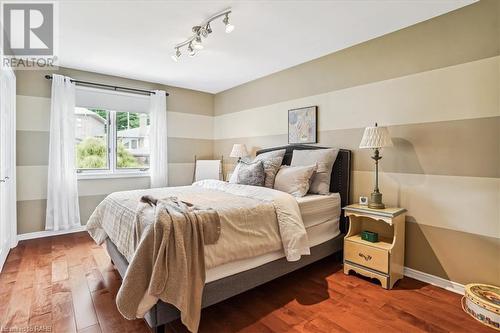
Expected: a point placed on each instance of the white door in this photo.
(8, 227)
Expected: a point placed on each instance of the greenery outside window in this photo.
(111, 142)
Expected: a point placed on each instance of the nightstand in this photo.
(383, 260)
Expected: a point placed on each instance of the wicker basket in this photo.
(482, 302)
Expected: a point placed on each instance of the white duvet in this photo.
(254, 220)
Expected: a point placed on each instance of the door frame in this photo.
(8, 209)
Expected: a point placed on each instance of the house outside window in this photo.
(111, 142)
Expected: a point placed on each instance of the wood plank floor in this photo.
(67, 284)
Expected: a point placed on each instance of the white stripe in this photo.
(464, 91)
(189, 125)
(467, 204)
(33, 114)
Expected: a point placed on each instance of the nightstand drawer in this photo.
(367, 256)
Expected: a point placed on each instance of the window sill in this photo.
(87, 176)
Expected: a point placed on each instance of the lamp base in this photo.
(376, 201)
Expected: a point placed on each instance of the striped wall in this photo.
(190, 132)
(436, 85)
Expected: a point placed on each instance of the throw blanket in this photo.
(170, 262)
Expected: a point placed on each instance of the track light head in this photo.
(191, 50)
(206, 30)
(175, 57)
(229, 26)
(197, 43)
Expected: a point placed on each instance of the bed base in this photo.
(219, 290)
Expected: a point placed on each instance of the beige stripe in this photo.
(87, 206)
(182, 150)
(32, 181)
(468, 204)
(33, 83)
(459, 92)
(464, 35)
(180, 174)
(460, 148)
(453, 255)
(33, 148)
(87, 187)
(33, 114)
(31, 213)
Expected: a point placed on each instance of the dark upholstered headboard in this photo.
(341, 173)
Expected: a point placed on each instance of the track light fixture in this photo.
(194, 43)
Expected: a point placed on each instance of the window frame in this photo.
(112, 171)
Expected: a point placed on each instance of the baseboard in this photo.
(434, 280)
(48, 233)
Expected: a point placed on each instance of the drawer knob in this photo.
(367, 257)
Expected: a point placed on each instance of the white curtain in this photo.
(158, 137)
(8, 218)
(62, 192)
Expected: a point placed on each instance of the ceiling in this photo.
(135, 39)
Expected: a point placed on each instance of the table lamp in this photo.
(376, 138)
(239, 150)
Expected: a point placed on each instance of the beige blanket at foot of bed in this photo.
(169, 263)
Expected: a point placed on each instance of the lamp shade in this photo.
(239, 150)
(376, 137)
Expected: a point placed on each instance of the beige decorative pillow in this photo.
(294, 180)
(324, 159)
(272, 163)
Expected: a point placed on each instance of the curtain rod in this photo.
(107, 86)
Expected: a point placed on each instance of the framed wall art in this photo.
(303, 125)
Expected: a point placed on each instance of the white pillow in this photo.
(294, 180)
(324, 159)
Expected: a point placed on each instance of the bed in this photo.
(325, 226)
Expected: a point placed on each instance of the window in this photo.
(111, 142)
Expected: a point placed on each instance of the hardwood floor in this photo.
(67, 284)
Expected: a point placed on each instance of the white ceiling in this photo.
(135, 39)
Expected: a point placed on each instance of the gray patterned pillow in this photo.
(272, 163)
(248, 174)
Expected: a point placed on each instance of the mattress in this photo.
(316, 209)
(321, 216)
(317, 234)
